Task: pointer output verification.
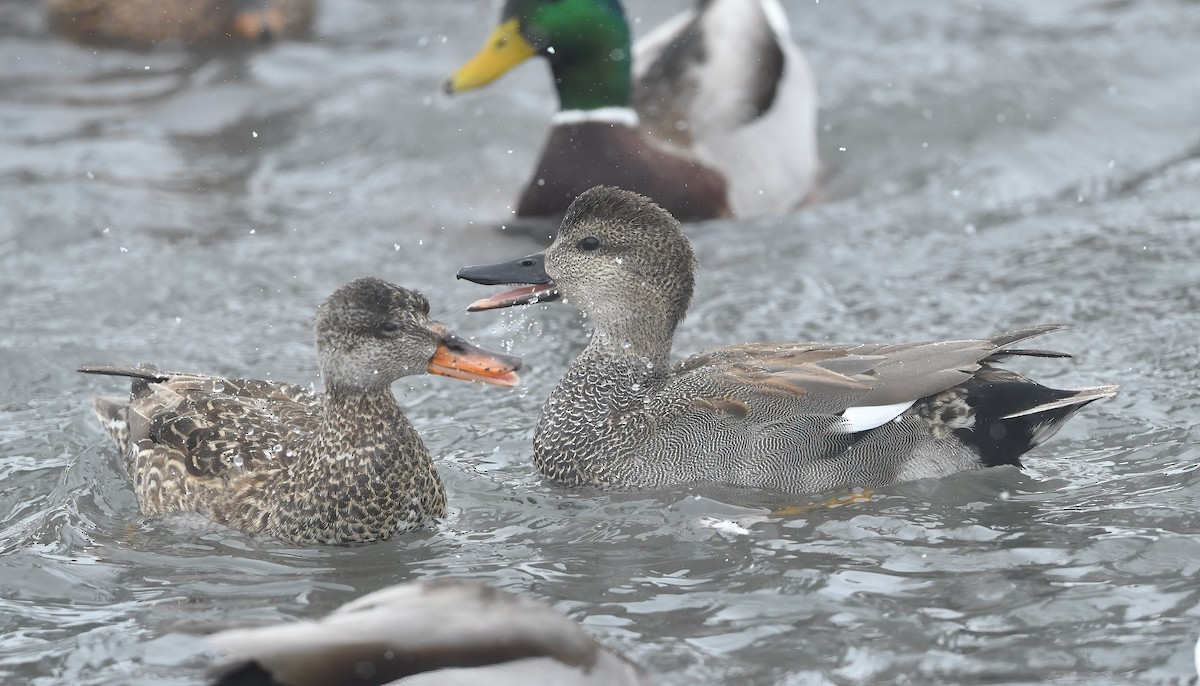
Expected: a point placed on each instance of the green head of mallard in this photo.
(586, 42)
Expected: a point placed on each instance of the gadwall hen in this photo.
(794, 417)
(145, 23)
(713, 113)
(282, 459)
(444, 632)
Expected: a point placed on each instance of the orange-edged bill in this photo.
(459, 359)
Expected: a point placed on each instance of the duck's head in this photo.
(622, 259)
(586, 42)
(257, 21)
(371, 332)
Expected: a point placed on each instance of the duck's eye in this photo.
(389, 327)
(589, 243)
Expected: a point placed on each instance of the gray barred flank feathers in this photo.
(285, 460)
(792, 417)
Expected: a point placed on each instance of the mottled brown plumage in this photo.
(789, 417)
(145, 23)
(446, 632)
(272, 457)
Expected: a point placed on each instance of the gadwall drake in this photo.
(712, 113)
(145, 23)
(285, 460)
(444, 632)
(798, 417)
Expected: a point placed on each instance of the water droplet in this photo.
(278, 448)
(236, 460)
(219, 387)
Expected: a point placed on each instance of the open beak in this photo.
(458, 359)
(504, 49)
(529, 270)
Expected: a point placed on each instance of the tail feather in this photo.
(114, 417)
(1026, 352)
(1013, 414)
(144, 372)
(1008, 338)
(1079, 396)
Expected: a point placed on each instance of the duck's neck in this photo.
(593, 71)
(359, 422)
(601, 404)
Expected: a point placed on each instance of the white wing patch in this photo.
(865, 417)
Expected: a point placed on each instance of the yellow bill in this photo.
(503, 50)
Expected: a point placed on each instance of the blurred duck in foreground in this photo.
(792, 417)
(446, 632)
(725, 119)
(282, 459)
(145, 23)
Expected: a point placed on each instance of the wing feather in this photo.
(218, 427)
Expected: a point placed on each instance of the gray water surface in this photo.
(988, 165)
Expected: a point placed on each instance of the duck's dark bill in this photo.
(458, 359)
(542, 292)
(527, 270)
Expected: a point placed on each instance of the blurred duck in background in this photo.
(712, 114)
(146, 23)
(446, 632)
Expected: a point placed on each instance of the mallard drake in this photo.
(282, 459)
(725, 118)
(145, 23)
(442, 632)
(792, 417)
